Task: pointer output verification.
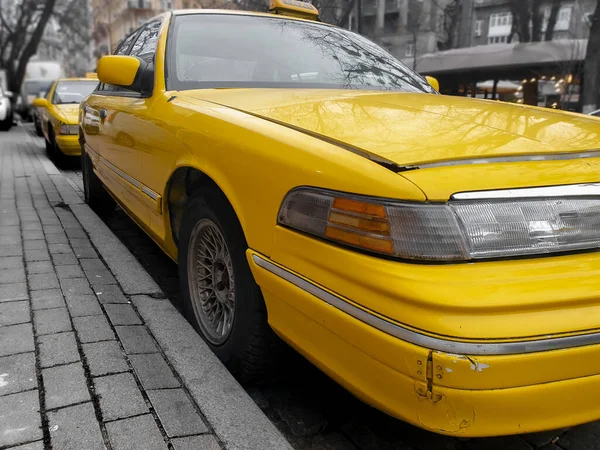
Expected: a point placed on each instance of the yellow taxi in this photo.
(437, 256)
(59, 114)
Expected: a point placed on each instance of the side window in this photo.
(145, 45)
(123, 48)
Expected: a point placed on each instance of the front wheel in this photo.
(220, 297)
(93, 190)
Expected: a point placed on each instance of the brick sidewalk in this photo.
(79, 369)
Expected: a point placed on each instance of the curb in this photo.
(234, 416)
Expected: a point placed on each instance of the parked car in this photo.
(435, 255)
(58, 115)
(6, 112)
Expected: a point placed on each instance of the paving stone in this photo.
(80, 243)
(205, 442)
(136, 339)
(11, 250)
(59, 348)
(46, 299)
(83, 305)
(30, 235)
(85, 253)
(43, 281)
(17, 373)
(153, 371)
(135, 433)
(48, 321)
(583, 437)
(120, 396)
(104, 358)
(79, 286)
(101, 277)
(12, 313)
(53, 229)
(10, 239)
(37, 255)
(39, 267)
(93, 329)
(20, 420)
(61, 259)
(70, 271)
(13, 291)
(32, 226)
(176, 412)
(92, 264)
(35, 245)
(11, 262)
(110, 293)
(76, 233)
(56, 238)
(16, 275)
(120, 314)
(59, 248)
(65, 385)
(16, 339)
(75, 428)
(37, 445)
(498, 443)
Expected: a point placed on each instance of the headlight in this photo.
(69, 129)
(455, 231)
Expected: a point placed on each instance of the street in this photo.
(310, 410)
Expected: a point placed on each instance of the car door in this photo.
(123, 130)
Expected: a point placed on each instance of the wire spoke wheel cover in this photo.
(211, 282)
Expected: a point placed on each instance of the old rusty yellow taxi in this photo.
(437, 256)
(59, 114)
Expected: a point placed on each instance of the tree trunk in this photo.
(536, 21)
(555, 8)
(16, 70)
(591, 66)
(380, 17)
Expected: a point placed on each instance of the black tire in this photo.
(246, 351)
(50, 144)
(6, 124)
(38, 128)
(95, 194)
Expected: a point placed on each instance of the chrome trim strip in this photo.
(517, 158)
(122, 174)
(150, 193)
(569, 190)
(444, 345)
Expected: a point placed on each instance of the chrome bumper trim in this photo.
(422, 340)
(567, 190)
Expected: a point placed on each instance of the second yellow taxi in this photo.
(59, 114)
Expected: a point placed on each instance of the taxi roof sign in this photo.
(294, 8)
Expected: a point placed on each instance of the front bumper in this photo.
(69, 144)
(484, 394)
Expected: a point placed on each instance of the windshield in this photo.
(72, 92)
(219, 50)
(35, 87)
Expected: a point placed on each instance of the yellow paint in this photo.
(294, 8)
(118, 70)
(239, 138)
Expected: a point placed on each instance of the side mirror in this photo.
(433, 82)
(40, 102)
(127, 72)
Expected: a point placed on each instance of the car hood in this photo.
(68, 114)
(412, 129)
